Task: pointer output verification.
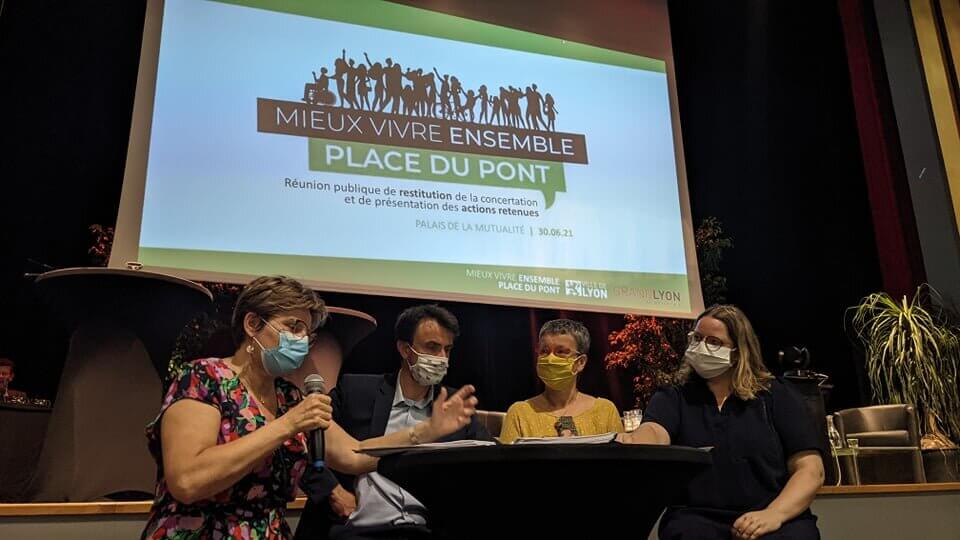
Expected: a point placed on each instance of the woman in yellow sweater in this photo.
(561, 410)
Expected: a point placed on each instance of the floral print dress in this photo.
(253, 508)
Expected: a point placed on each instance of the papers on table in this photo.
(439, 446)
(579, 439)
(426, 447)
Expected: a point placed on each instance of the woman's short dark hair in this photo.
(410, 318)
(269, 296)
(568, 327)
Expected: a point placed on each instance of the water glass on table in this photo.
(632, 419)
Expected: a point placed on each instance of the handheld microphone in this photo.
(314, 384)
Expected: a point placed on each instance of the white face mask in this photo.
(429, 369)
(708, 364)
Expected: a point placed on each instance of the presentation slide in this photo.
(372, 147)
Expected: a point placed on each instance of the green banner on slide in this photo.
(613, 292)
(389, 16)
(437, 166)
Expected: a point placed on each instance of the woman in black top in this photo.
(767, 466)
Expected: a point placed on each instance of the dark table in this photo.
(22, 428)
(546, 490)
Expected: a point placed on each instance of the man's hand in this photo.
(342, 502)
(450, 415)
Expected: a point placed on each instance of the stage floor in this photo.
(877, 512)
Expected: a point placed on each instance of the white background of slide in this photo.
(215, 183)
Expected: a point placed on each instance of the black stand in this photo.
(123, 327)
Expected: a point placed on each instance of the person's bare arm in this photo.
(196, 467)
(806, 477)
(647, 433)
(448, 416)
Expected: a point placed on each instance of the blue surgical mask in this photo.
(287, 356)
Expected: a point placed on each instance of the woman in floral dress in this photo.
(230, 441)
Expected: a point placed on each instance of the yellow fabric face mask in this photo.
(556, 371)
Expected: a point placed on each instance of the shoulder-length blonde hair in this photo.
(750, 375)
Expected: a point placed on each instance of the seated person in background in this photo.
(328, 348)
(561, 410)
(325, 359)
(766, 455)
(375, 405)
(7, 372)
(230, 440)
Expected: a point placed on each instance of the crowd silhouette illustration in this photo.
(387, 87)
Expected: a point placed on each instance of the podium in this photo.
(546, 491)
(123, 326)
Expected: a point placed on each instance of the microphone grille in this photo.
(314, 384)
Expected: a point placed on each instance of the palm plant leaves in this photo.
(912, 356)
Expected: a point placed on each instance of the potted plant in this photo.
(649, 349)
(913, 356)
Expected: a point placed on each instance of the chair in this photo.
(890, 438)
(810, 386)
(492, 420)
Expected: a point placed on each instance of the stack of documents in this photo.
(381, 451)
(579, 439)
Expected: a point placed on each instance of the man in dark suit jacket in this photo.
(369, 406)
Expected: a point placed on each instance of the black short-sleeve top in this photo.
(752, 441)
